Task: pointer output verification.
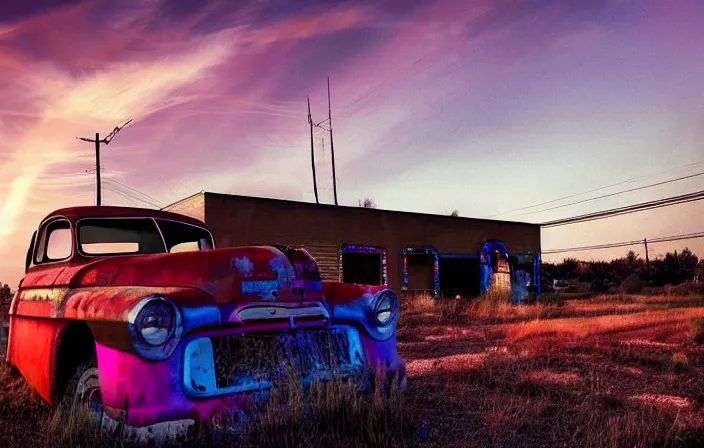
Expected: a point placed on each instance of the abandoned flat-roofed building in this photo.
(415, 252)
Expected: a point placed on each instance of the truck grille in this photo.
(271, 357)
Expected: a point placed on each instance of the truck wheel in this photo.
(83, 388)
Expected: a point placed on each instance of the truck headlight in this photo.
(156, 322)
(384, 310)
(155, 326)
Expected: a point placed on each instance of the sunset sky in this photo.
(484, 106)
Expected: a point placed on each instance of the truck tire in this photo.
(83, 388)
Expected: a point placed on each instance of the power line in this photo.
(664, 239)
(595, 247)
(133, 189)
(128, 187)
(119, 192)
(616, 193)
(596, 189)
(392, 77)
(681, 199)
(129, 196)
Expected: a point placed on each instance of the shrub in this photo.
(686, 289)
(653, 291)
(679, 361)
(697, 330)
(552, 298)
(598, 285)
(631, 284)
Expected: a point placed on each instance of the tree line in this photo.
(5, 299)
(673, 269)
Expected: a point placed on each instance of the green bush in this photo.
(631, 285)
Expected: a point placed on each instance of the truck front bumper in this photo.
(162, 400)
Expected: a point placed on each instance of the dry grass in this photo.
(587, 326)
(332, 414)
(617, 370)
(613, 370)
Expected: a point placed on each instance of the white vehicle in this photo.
(560, 285)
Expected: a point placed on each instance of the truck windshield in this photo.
(119, 236)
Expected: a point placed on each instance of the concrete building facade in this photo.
(442, 255)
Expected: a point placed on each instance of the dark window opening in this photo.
(362, 268)
(421, 271)
(180, 237)
(459, 276)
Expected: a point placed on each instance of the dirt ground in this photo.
(608, 371)
(611, 371)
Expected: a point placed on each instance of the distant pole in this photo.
(332, 148)
(647, 260)
(97, 168)
(312, 154)
(97, 142)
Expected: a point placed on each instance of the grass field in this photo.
(605, 371)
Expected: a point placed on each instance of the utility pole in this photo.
(97, 179)
(312, 154)
(647, 260)
(332, 148)
(97, 142)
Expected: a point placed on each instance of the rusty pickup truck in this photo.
(135, 314)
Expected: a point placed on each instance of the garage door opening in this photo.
(459, 276)
(420, 270)
(363, 265)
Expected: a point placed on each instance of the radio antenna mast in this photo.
(312, 155)
(332, 148)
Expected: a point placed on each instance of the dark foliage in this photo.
(5, 299)
(672, 269)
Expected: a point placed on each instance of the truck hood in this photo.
(229, 275)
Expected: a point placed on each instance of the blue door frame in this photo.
(536, 273)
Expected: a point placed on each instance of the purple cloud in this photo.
(482, 106)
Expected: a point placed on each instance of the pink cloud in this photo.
(96, 82)
(68, 104)
(311, 24)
